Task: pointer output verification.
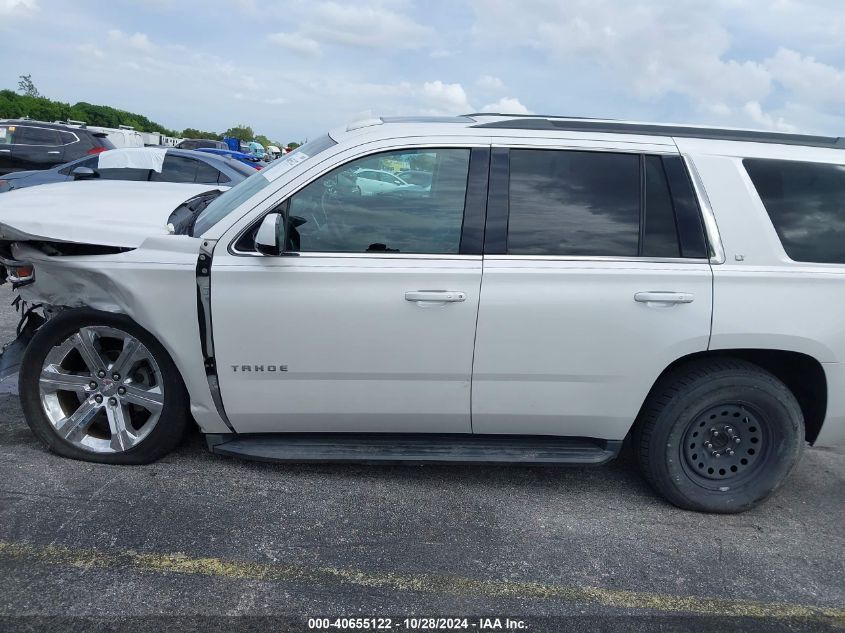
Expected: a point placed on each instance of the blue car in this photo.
(247, 159)
(178, 166)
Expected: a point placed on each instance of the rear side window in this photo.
(806, 203)
(660, 233)
(124, 173)
(206, 174)
(601, 204)
(36, 136)
(67, 138)
(177, 169)
(574, 203)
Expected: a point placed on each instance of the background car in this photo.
(201, 143)
(377, 181)
(244, 157)
(179, 166)
(416, 177)
(26, 144)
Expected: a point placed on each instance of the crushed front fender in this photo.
(12, 353)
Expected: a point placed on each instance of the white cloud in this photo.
(807, 79)
(297, 43)
(490, 83)
(651, 49)
(18, 7)
(445, 98)
(240, 96)
(507, 105)
(366, 26)
(138, 41)
(754, 111)
(90, 50)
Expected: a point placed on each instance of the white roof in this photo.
(508, 128)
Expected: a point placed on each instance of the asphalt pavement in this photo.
(201, 542)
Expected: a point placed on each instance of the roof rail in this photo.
(535, 116)
(573, 124)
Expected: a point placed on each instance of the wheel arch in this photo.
(803, 375)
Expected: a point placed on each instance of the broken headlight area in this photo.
(18, 273)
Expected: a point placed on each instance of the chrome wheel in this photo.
(101, 389)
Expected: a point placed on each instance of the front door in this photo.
(367, 324)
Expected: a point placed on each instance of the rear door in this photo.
(36, 148)
(596, 277)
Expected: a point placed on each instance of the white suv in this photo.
(561, 285)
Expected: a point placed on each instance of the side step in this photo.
(415, 448)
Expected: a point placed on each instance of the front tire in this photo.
(719, 435)
(97, 387)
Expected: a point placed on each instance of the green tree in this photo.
(293, 145)
(27, 87)
(241, 132)
(190, 132)
(263, 140)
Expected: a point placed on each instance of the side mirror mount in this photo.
(270, 237)
(84, 173)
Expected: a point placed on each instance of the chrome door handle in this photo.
(5, 150)
(435, 296)
(664, 297)
(56, 152)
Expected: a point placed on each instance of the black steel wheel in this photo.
(719, 435)
(728, 442)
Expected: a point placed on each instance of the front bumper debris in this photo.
(12, 353)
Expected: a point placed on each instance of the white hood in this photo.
(110, 213)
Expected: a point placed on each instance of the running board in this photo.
(415, 448)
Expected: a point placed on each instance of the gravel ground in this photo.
(219, 542)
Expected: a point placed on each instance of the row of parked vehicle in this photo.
(37, 153)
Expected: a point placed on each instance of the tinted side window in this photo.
(36, 136)
(574, 203)
(687, 211)
(67, 138)
(90, 163)
(806, 203)
(124, 173)
(335, 213)
(177, 169)
(660, 234)
(206, 174)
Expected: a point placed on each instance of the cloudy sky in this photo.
(293, 68)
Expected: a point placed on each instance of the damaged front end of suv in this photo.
(104, 278)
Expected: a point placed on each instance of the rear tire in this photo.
(97, 387)
(718, 435)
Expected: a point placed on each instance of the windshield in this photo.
(230, 200)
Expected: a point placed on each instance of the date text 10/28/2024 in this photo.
(417, 624)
